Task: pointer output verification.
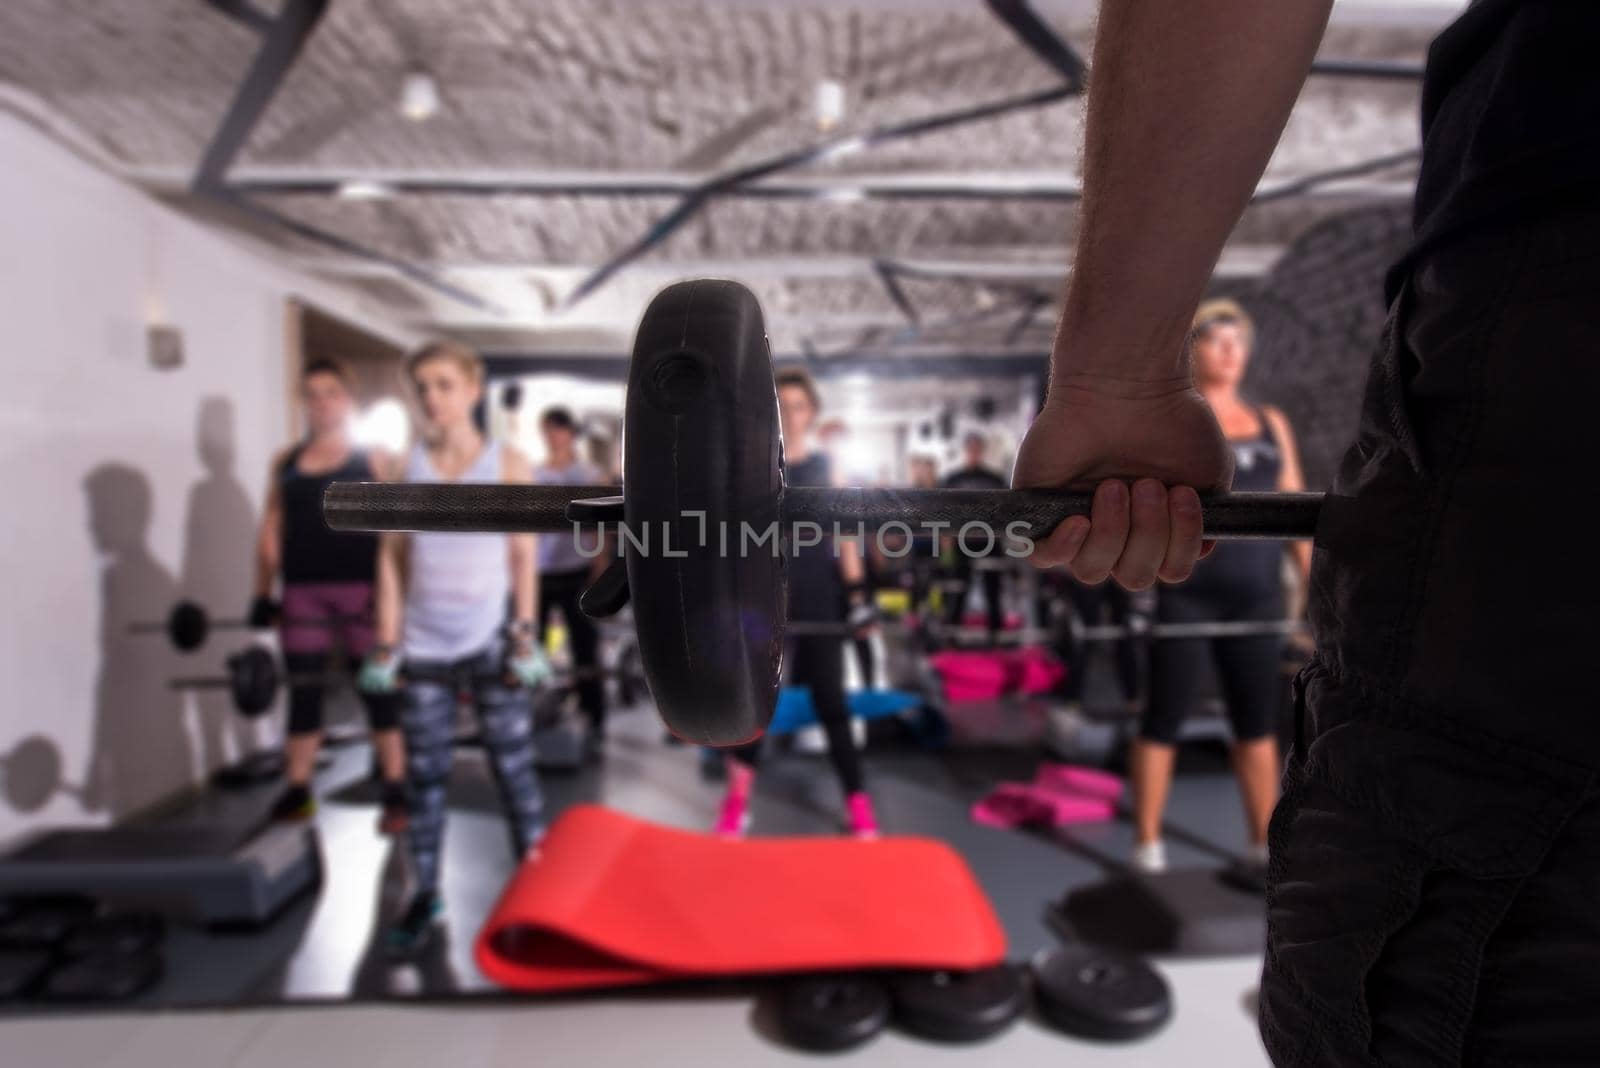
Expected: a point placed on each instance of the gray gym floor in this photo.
(325, 948)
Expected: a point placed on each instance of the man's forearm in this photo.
(1186, 102)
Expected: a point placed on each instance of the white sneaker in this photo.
(1150, 857)
(1064, 729)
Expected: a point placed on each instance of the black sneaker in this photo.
(395, 813)
(295, 805)
(415, 926)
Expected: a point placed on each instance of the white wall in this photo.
(85, 263)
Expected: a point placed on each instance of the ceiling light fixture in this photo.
(419, 95)
(827, 104)
(363, 189)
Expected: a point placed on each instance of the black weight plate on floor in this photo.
(22, 970)
(122, 934)
(957, 1006)
(43, 922)
(105, 977)
(702, 490)
(1095, 993)
(1246, 876)
(827, 1013)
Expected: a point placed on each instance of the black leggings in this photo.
(561, 589)
(1092, 604)
(818, 663)
(305, 701)
(1249, 669)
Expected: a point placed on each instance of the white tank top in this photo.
(458, 584)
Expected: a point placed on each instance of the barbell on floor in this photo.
(253, 678)
(188, 625)
(1222, 628)
(703, 464)
(1072, 631)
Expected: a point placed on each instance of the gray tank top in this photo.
(457, 584)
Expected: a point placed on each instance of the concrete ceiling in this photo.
(602, 114)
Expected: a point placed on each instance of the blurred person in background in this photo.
(975, 473)
(325, 604)
(442, 604)
(568, 562)
(825, 586)
(1241, 581)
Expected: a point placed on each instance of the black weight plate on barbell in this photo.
(829, 1013)
(254, 679)
(1096, 993)
(105, 977)
(957, 1006)
(118, 934)
(702, 464)
(187, 626)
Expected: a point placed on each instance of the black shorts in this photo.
(1434, 885)
(307, 698)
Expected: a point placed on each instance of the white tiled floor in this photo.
(1214, 1025)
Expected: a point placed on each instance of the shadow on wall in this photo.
(140, 751)
(218, 549)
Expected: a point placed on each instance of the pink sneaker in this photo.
(734, 818)
(859, 815)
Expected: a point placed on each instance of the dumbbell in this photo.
(188, 625)
(704, 509)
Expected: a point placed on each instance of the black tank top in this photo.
(312, 552)
(1249, 567)
(816, 591)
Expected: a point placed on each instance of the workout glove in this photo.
(263, 612)
(379, 674)
(863, 616)
(530, 667)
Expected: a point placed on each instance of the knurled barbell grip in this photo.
(409, 506)
(453, 507)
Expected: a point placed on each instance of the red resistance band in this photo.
(615, 901)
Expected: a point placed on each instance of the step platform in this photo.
(212, 874)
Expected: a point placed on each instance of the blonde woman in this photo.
(442, 603)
